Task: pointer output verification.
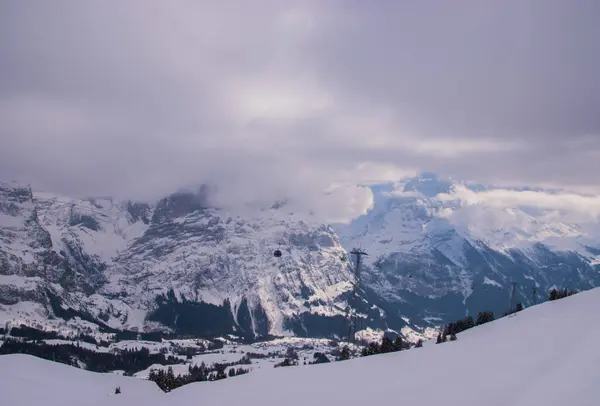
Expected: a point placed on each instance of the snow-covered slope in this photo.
(32, 381)
(102, 228)
(532, 358)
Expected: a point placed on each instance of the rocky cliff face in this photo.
(182, 265)
(27, 260)
(178, 264)
(204, 255)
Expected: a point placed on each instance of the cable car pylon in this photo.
(352, 311)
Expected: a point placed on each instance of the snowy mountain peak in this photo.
(429, 184)
(440, 241)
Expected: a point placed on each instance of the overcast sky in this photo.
(271, 99)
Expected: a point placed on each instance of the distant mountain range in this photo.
(438, 250)
(441, 250)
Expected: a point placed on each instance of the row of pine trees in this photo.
(450, 330)
(167, 381)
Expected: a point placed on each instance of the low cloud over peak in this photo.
(307, 101)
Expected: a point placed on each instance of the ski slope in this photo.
(546, 355)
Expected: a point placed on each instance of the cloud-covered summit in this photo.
(273, 100)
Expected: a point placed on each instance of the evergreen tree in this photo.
(439, 338)
(560, 294)
(484, 317)
(344, 354)
(287, 362)
(241, 371)
(386, 345)
(419, 344)
(320, 358)
(398, 344)
(372, 349)
(170, 379)
(470, 322)
(220, 368)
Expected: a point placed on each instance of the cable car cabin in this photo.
(277, 253)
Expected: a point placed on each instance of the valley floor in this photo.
(546, 355)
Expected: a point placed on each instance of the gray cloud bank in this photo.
(274, 99)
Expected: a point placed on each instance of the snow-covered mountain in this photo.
(178, 264)
(438, 249)
(441, 249)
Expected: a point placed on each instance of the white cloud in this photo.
(574, 206)
(274, 100)
(342, 203)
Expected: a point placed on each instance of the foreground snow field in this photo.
(546, 355)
